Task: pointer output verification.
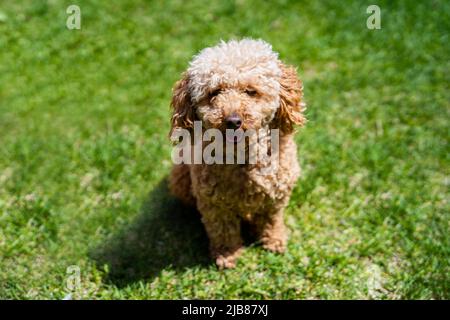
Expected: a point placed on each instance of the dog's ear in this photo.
(182, 109)
(291, 108)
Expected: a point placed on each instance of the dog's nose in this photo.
(233, 121)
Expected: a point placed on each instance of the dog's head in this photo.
(238, 85)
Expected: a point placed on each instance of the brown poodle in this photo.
(239, 84)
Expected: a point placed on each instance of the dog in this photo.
(239, 84)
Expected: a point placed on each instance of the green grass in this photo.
(84, 152)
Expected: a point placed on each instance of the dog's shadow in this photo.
(166, 234)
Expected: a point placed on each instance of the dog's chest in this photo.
(237, 188)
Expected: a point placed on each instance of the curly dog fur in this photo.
(245, 78)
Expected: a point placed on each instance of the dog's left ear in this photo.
(291, 108)
(182, 109)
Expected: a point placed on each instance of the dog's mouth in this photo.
(234, 136)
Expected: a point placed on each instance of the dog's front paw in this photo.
(224, 262)
(227, 260)
(274, 245)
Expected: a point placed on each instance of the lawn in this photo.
(84, 153)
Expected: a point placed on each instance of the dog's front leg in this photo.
(224, 232)
(271, 231)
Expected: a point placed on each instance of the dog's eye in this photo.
(251, 92)
(214, 93)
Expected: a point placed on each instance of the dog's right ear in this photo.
(182, 108)
(291, 108)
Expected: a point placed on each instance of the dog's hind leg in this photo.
(180, 184)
